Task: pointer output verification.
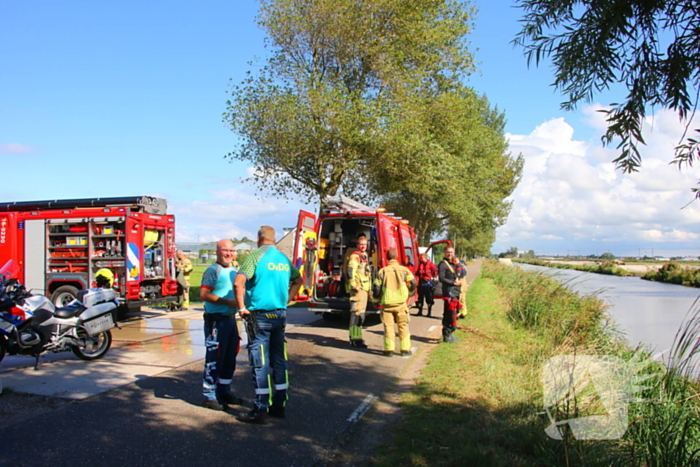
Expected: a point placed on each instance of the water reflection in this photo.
(645, 312)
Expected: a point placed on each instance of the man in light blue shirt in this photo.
(221, 336)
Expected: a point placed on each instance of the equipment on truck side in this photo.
(61, 245)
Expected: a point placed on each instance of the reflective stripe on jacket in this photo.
(397, 283)
(358, 271)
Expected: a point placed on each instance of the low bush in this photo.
(548, 307)
(674, 273)
(606, 267)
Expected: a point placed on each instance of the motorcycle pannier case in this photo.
(92, 297)
(101, 320)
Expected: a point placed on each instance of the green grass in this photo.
(480, 402)
(476, 403)
(196, 281)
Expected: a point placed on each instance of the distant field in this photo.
(197, 272)
(635, 266)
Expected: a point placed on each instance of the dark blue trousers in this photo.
(222, 343)
(267, 353)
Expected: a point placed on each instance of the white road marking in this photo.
(362, 409)
(432, 328)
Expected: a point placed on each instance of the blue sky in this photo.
(125, 98)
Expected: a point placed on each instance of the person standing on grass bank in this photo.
(359, 282)
(221, 337)
(394, 285)
(427, 274)
(450, 293)
(461, 271)
(267, 282)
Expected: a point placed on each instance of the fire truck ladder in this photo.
(345, 205)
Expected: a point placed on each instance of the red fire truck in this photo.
(59, 246)
(322, 245)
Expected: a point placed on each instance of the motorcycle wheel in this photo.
(3, 347)
(96, 348)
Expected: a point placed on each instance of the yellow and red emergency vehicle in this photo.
(323, 242)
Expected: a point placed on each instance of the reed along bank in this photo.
(481, 401)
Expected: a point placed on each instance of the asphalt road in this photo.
(158, 420)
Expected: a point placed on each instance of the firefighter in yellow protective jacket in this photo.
(184, 269)
(358, 282)
(394, 284)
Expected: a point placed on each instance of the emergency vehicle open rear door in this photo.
(306, 253)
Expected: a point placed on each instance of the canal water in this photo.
(645, 312)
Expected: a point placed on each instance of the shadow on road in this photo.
(158, 420)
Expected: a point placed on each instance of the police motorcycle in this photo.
(83, 326)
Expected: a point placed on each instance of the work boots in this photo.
(276, 411)
(212, 404)
(257, 415)
(227, 399)
(430, 311)
(420, 312)
(447, 335)
(359, 343)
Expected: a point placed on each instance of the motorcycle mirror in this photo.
(10, 269)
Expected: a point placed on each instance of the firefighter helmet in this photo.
(104, 278)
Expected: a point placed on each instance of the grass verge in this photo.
(476, 402)
(481, 401)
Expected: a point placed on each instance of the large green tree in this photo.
(329, 102)
(652, 47)
(368, 99)
(461, 178)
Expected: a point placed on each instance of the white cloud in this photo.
(551, 237)
(669, 236)
(571, 193)
(16, 149)
(594, 117)
(232, 212)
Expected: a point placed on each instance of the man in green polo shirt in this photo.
(266, 282)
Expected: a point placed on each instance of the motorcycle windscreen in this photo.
(9, 270)
(435, 249)
(306, 253)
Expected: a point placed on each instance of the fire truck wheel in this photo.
(63, 295)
